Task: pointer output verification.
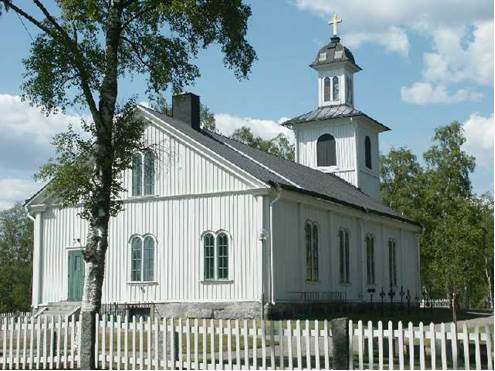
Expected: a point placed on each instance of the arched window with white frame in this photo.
(392, 262)
(326, 89)
(143, 173)
(216, 256)
(325, 151)
(142, 258)
(370, 259)
(336, 88)
(367, 152)
(311, 243)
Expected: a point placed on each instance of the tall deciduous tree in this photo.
(457, 242)
(82, 51)
(279, 146)
(16, 243)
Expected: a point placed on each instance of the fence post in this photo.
(340, 341)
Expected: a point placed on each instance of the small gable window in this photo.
(143, 173)
(311, 232)
(367, 152)
(336, 88)
(326, 89)
(370, 259)
(142, 259)
(344, 256)
(325, 151)
(216, 256)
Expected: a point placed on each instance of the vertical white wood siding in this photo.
(194, 192)
(177, 225)
(289, 245)
(343, 132)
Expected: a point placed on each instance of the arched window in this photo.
(149, 173)
(148, 258)
(326, 89)
(136, 258)
(336, 90)
(223, 256)
(392, 263)
(325, 151)
(143, 174)
(370, 259)
(209, 256)
(137, 174)
(349, 89)
(367, 152)
(142, 259)
(344, 256)
(311, 233)
(216, 256)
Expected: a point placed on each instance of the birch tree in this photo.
(78, 57)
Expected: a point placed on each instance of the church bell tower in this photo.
(335, 137)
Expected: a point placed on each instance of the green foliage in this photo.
(456, 223)
(71, 173)
(279, 146)
(16, 240)
(158, 39)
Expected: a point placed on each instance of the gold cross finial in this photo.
(334, 21)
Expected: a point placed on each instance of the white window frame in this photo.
(394, 266)
(142, 193)
(142, 237)
(370, 260)
(230, 266)
(315, 266)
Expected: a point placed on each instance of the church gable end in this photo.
(181, 167)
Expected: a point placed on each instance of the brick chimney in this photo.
(185, 107)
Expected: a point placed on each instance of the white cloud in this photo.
(394, 39)
(479, 138)
(25, 139)
(19, 119)
(266, 129)
(14, 190)
(423, 93)
(461, 35)
(454, 60)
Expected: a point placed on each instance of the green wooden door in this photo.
(76, 275)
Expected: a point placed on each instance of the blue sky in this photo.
(424, 65)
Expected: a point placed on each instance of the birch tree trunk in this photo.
(97, 244)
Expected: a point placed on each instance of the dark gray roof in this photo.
(330, 112)
(292, 176)
(334, 52)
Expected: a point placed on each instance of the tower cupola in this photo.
(336, 66)
(336, 138)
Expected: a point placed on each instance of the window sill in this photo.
(142, 283)
(216, 282)
(143, 197)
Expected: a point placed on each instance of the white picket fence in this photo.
(423, 347)
(44, 342)
(136, 343)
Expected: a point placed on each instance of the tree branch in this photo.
(41, 26)
(52, 20)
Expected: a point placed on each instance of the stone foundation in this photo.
(246, 310)
(222, 310)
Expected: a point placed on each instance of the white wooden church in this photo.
(214, 228)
